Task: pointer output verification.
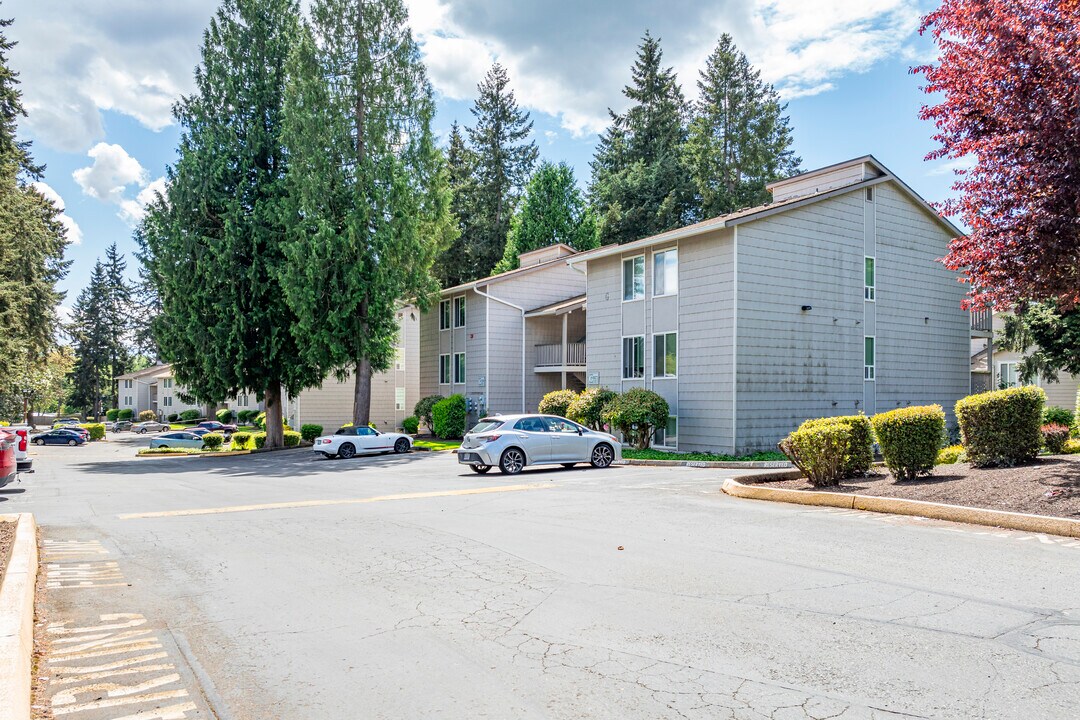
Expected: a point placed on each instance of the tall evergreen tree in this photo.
(504, 160)
(91, 332)
(640, 184)
(215, 244)
(452, 267)
(118, 316)
(552, 211)
(367, 185)
(739, 140)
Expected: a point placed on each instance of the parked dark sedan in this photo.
(217, 427)
(60, 437)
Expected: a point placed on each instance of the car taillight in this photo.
(488, 438)
(22, 439)
(326, 441)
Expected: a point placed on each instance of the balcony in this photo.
(556, 357)
(982, 321)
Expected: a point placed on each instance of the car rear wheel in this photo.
(512, 461)
(602, 456)
(480, 468)
(401, 446)
(73, 443)
(162, 447)
(39, 441)
(348, 450)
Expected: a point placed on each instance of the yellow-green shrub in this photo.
(241, 441)
(96, 430)
(859, 455)
(1003, 427)
(556, 402)
(819, 451)
(1072, 447)
(910, 439)
(951, 455)
(213, 441)
(291, 438)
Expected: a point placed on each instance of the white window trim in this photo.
(644, 357)
(674, 249)
(450, 368)
(450, 309)
(871, 368)
(464, 368)
(454, 315)
(870, 290)
(622, 279)
(666, 445)
(666, 377)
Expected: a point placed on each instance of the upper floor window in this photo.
(127, 384)
(166, 383)
(459, 312)
(666, 272)
(444, 315)
(633, 278)
(870, 279)
(444, 369)
(633, 357)
(665, 355)
(869, 358)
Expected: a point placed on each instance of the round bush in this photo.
(96, 430)
(588, 407)
(291, 438)
(128, 414)
(241, 440)
(449, 417)
(259, 420)
(172, 417)
(309, 432)
(411, 425)
(910, 439)
(189, 415)
(224, 415)
(637, 413)
(259, 440)
(951, 455)
(557, 402)
(820, 451)
(1055, 415)
(112, 415)
(213, 441)
(859, 455)
(1003, 427)
(1054, 438)
(423, 410)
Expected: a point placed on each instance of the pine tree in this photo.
(452, 267)
(552, 211)
(118, 317)
(92, 334)
(367, 183)
(640, 184)
(739, 138)
(504, 160)
(215, 245)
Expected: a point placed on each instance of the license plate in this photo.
(467, 458)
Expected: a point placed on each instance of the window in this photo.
(1008, 376)
(868, 358)
(242, 401)
(869, 194)
(459, 311)
(561, 425)
(633, 357)
(444, 369)
(167, 401)
(667, 436)
(399, 358)
(666, 273)
(127, 384)
(459, 367)
(665, 355)
(633, 278)
(166, 383)
(444, 315)
(869, 280)
(531, 424)
(399, 398)
(365, 432)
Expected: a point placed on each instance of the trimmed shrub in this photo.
(224, 415)
(951, 455)
(259, 420)
(241, 440)
(820, 451)
(213, 441)
(1054, 415)
(309, 432)
(859, 456)
(172, 417)
(557, 402)
(449, 417)
(423, 410)
(243, 416)
(637, 413)
(291, 438)
(1072, 447)
(1003, 427)
(588, 407)
(910, 439)
(1054, 437)
(96, 430)
(129, 414)
(111, 415)
(189, 415)
(259, 439)
(411, 425)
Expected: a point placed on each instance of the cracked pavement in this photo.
(522, 605)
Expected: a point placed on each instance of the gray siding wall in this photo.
(603, 322)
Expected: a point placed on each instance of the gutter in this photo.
(487, 334)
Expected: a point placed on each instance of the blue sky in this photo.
(99, 81)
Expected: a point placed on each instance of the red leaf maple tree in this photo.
(1009, 73)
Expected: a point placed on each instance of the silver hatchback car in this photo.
(511, 442)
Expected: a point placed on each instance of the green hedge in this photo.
(291, 438)
(424, 408)
(129, 414)
(951, 455)
(637, 413)
(449, 416)
(259, 439)
(241, 441)
(557, 402)
(820, 451)
(189, 415)
(112, 415)
(309, 432)
(224, 415)
(213, 441)
(910, 439)
(96, 430)
(1003, 427)
(859, 455)
(411, 425)
(588, 407)
(1054, 438)
(1054, 415)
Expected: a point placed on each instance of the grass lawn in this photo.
(632, 454)
(437, 444)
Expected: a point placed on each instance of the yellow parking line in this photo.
(351, 501)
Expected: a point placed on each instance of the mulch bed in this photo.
(1048, 486)
(7, 538)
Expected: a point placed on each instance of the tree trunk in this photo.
(275, 432)
(362, 393)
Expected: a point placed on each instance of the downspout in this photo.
(521, 310)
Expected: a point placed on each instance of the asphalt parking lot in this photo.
(288, 586)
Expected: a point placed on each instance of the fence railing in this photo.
(553, 356)
(982, 320)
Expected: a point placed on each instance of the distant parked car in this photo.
(22, 457)
(60, 436)
(512, 442)
(217, 427)
(177, 440)
(148, 426)
(8, 465)
(200, 431)
(66, 422)
(121, 426)
(348, 442)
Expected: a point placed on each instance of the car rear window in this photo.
(485, 425)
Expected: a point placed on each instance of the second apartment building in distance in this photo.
(828, 301)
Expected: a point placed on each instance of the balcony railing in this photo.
(554, 356)
(982, 320)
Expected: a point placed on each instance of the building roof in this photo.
(492, 279)
(155, 370)
(559, 308)
(756, 213)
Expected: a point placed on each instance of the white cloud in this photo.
(951, 166)
(132, 211)
(551, 136)
(74, 232)
(112, 171)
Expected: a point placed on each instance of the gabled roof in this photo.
(155, 370)
(558, 308)
(509, 274)
(761, 211)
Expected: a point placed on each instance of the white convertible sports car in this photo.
(350, 441)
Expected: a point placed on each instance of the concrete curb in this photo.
(731, 465)
(918, 508)
(173, 456)
(17, 620)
